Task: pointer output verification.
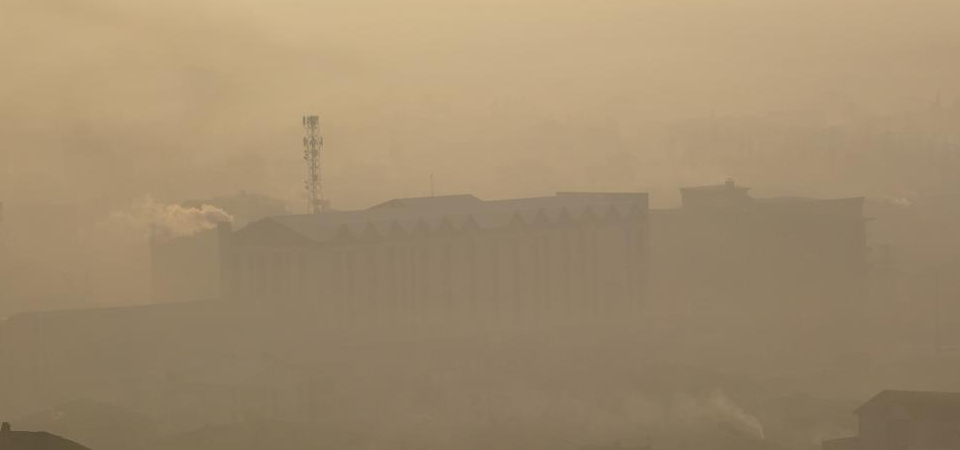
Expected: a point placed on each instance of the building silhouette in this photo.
(905, 420)
(721, 252)
(724, 251)
(573, 252)
(187, 268)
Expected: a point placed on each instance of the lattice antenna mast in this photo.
(312, 144)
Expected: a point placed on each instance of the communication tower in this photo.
(312, 144)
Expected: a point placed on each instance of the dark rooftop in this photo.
(454, 212)
(728, 185)
(914, 402)
(441, 201)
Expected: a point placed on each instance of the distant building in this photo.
(188, 267)
(451, 254)
(905, 420)
(722, 250)
(726, 195)
(726, 250)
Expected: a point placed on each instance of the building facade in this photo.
(187, 268)
(568, 254)
(905, 420)
(724, 250)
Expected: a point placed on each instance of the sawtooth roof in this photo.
(454, 213)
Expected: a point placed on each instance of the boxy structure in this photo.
(187, 268)
(724, 251)
(905, 420)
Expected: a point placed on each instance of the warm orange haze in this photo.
(465, 224)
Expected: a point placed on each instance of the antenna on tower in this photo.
(312, 144)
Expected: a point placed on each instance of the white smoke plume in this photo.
(730, 413)
(147, 217)
(719, 409)
(902, 202)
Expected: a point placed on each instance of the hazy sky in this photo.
(107, 100)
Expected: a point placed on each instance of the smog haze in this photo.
(459, 224)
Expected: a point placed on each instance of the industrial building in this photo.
(724, 251)
(187, 268)
(721, 251)
(905, 420)
(570, 253)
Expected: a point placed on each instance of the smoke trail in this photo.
(720, 409)
(147, 217)
(728, 412)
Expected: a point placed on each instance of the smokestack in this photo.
(224, 254)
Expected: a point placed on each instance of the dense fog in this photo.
(769, 240)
